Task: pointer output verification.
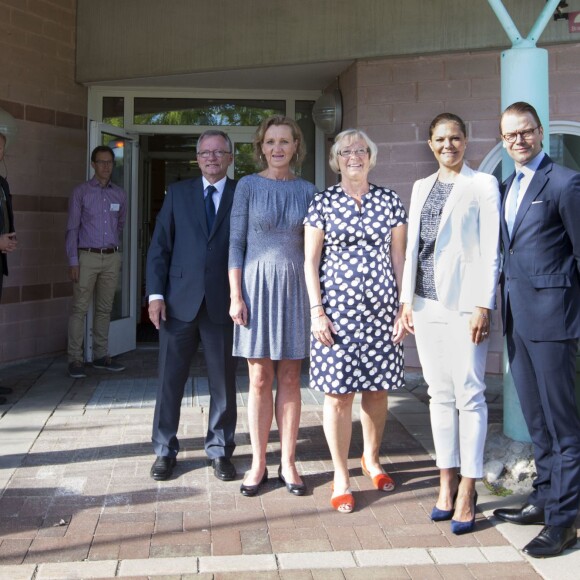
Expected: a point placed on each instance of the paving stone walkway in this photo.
(77, 500)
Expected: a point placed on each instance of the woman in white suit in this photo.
(449, 288)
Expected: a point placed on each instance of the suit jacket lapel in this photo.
(461, 184)
(426, 187)
(536, 186)
(225, 204)
(199, 205)
(506, 188)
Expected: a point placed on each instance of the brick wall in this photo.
(37, 86)
(394, 100)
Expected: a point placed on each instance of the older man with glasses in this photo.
(188, 290)
(97, 211)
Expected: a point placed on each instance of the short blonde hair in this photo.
(297, 135)
(345, 138)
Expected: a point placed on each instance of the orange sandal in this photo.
(346, 499)
(382, 481)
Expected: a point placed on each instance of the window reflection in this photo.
(305, 122)
(121, 176)
(114, 111)
(205, 112)
(565, 150)
(244, 160)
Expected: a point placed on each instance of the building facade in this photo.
(147, 77)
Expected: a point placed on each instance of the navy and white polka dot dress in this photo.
(359, 292)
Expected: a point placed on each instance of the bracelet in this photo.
(316, 306)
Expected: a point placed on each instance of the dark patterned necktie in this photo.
(209, 206)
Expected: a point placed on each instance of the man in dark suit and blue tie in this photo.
(540, 232)
(188, 290)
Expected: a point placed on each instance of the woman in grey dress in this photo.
(269, 305)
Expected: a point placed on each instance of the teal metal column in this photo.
(524, 77)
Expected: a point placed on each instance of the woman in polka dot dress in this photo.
(355, 251)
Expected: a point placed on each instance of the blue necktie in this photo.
(209, 207)
(513, 202)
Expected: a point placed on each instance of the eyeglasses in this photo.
(525, 135)
(219, 153)
(103, 162)
(346, 153)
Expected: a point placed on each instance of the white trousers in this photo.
(454, 369)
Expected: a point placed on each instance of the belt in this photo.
(100, 250)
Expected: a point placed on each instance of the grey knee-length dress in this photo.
(267, 243)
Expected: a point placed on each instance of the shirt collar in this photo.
(531, 166)
(96, 183)
(219, 185)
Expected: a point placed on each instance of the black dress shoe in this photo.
(163, 468)
(5, 390)
(223, 468)
(3, 400)
(527, 515)
(293, 488)
(551, 541)
(252, 490)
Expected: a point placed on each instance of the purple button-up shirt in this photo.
(96, 217)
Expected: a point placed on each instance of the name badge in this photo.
(115, 206)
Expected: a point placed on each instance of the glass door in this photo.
(243, 149)
(122, 332)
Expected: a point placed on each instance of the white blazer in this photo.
(466, 260)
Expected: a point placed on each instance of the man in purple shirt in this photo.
(96, 217)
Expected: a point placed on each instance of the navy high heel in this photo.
(459, 528)
(438, 515)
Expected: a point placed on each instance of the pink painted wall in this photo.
(37, 86)
(394, 100)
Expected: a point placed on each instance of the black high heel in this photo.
(252, 490)
(293, 488)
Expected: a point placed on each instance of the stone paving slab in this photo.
(396, 564)
(78, 501)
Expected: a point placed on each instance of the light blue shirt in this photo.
(528, 170)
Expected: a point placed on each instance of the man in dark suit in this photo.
(8, 241)
(187, 285)
(540, 232)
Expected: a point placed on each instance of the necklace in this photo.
(356, 196)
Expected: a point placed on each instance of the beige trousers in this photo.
(98, 276)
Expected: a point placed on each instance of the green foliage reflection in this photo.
(204, 113)
(244, 160)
